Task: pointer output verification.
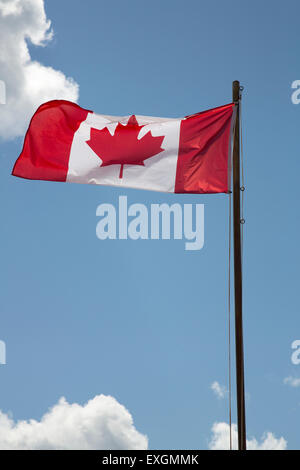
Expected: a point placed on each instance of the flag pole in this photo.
(238, 275)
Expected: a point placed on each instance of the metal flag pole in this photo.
(238, 275)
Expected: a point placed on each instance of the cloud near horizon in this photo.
(101, 423)
(220, 439)
(28, 83)
(292, 381)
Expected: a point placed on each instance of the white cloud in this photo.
(219, 390)
(292, 381)
(220, 439)
(102, 423)
(28, 83)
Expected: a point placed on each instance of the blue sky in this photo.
(146, 321)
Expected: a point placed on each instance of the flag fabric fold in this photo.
(67, 143)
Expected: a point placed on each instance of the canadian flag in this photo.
(65, 142)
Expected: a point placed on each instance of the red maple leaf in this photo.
(124, 147)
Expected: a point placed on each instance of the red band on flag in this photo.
(47, 144)
(203, 157)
